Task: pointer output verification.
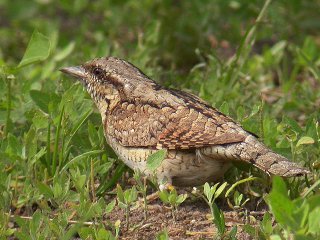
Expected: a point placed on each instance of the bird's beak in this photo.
(77, 71)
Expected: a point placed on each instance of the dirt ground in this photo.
(193, 221)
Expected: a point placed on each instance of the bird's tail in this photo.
(253, 151)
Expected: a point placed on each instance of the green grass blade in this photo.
(80, 157)
(112, 182)
(8, 121)
(238, 183)
(78, 125)
(48, 156)
(56, 143)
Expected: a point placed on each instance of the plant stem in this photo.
(145, 206)
(92, 181)
(173, 214)
(62, 151)
(145, 197)
(127, 216)
(261, 119)
(211, 211)
(293, 150)
(8, 106)
(48, 160)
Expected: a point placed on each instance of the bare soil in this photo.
(193, 221)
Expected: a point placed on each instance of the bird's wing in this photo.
(191, 125)
(199, 125)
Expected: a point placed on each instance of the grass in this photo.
(257, 61)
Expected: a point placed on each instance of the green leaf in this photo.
(38, 49)
(14, 147)
(266, 224)
(93, 134)
(173, 197)
(163, 235)
(130, 195)
(233, 233)
(85, 232)
(280, 204)
(65, 52)
(206, 191)
(305, 140)
(122, 205)
(155, 159)
(314, 201)
(209, 191)
(41, 99)
(256, 108)
(164, 196)
(80, 182)
(40, 119)
(45, 190)
(104, 234)
(250, 230)
(293, 124)
(120, 193)
(220, 190)
(134, 194)
(38, 155)
(78, 124)
(9, 232)
(224, 108)
(275, 237)
(219, 219)
(31, 143)
(181, 198)
(109, 184)
(57, 190)
(22, 235)
(110, 206)
(240, 113)
(314, 221)
(35, 222)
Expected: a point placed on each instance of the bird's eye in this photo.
(97, 71)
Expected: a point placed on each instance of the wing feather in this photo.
(191, 125)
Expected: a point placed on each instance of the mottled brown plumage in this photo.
(140, 116)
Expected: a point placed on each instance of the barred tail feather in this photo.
(276, 164)
(269, 161)
(251, 150)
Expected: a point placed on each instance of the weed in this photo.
(210, 194)
(173, 199)
(142, 188)
(126, 199)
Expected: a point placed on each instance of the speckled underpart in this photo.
(179, 168)
(140, 117)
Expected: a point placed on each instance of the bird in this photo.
(141, 117)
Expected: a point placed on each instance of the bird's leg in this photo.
(167, 185)
(162, 183)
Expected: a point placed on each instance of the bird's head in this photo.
(109, 80)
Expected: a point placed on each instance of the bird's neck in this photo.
(106, 105)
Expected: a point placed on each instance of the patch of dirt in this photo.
(193, 221)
